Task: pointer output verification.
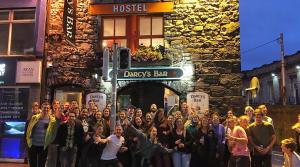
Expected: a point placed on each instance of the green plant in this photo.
(150, 54)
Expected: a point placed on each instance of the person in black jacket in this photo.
(69, 139)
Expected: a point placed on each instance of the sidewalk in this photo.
(12, 165)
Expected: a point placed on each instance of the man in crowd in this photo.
(69, 138)
(114, 144)
(39, 134)
(262, 138)
(264, 110)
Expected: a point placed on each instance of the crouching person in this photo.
(69, 139)
(114, 144)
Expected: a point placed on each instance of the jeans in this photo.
(262, 160)
(52, 155)
(37, 156)
(239, 161)
(181, 159)
(67, 157)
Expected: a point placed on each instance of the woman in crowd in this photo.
(148, 122)
(163, 134)
(180, 157)
(95, 146)
(296, 128)
(291, 158)
(106, 121)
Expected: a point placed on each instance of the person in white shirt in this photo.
(114, 144)
(291, 158)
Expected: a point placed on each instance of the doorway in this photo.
(68, 94)
(143, 94)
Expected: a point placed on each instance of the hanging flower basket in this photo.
(150, 56)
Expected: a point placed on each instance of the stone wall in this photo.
(209, 32)
(72, 65)
(205, 30)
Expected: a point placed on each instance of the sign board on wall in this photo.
(29, 72)
(98, 98)
(131, 8)
(198, 101)
(69, 20)
(14, 104)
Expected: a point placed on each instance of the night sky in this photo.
(263, 21)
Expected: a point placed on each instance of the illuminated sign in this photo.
(171, 73)
(2, 69)
(7, 71)
(132, 8)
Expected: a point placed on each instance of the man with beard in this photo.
(69, 138)
(153, 110)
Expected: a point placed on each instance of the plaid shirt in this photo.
(70, 137)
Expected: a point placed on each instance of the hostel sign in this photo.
(171, 73)
(69, 20)
(131, 8)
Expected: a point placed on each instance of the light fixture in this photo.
(298, 67)
(273, 75)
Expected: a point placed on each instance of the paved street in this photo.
(277, 161)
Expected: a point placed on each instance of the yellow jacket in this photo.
(50, 132)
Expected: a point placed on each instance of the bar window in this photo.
(17, 32)
(151, 31)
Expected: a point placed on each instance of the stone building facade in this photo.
(204, 34)
(269, 76)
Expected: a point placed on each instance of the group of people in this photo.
(67, 136)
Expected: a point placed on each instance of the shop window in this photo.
(114, 31)
(17, 32)
(150, 31)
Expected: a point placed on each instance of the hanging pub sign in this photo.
(131, 8)
(171, 73)
(69, 20)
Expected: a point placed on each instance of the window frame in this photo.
(114, 38)
(150, 36)
(10, 23)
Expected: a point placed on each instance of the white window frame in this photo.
(10, 22)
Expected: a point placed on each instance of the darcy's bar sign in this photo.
(69, 20)
(174, 73)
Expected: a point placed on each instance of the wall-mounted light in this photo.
(273, 75)
(298, 67)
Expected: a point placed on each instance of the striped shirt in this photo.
(38, 135)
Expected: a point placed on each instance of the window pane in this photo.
(24, 15)
(121, 42)
(120, 27)
(4, 38)
(4, 15)
(22, 39)
(157, 42)
(107, 43)
(157, 26)
(144, 42)
(108, 29)
(145, 25)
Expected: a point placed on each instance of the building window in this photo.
(151, 31)
(17, 32)
(114, 31)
